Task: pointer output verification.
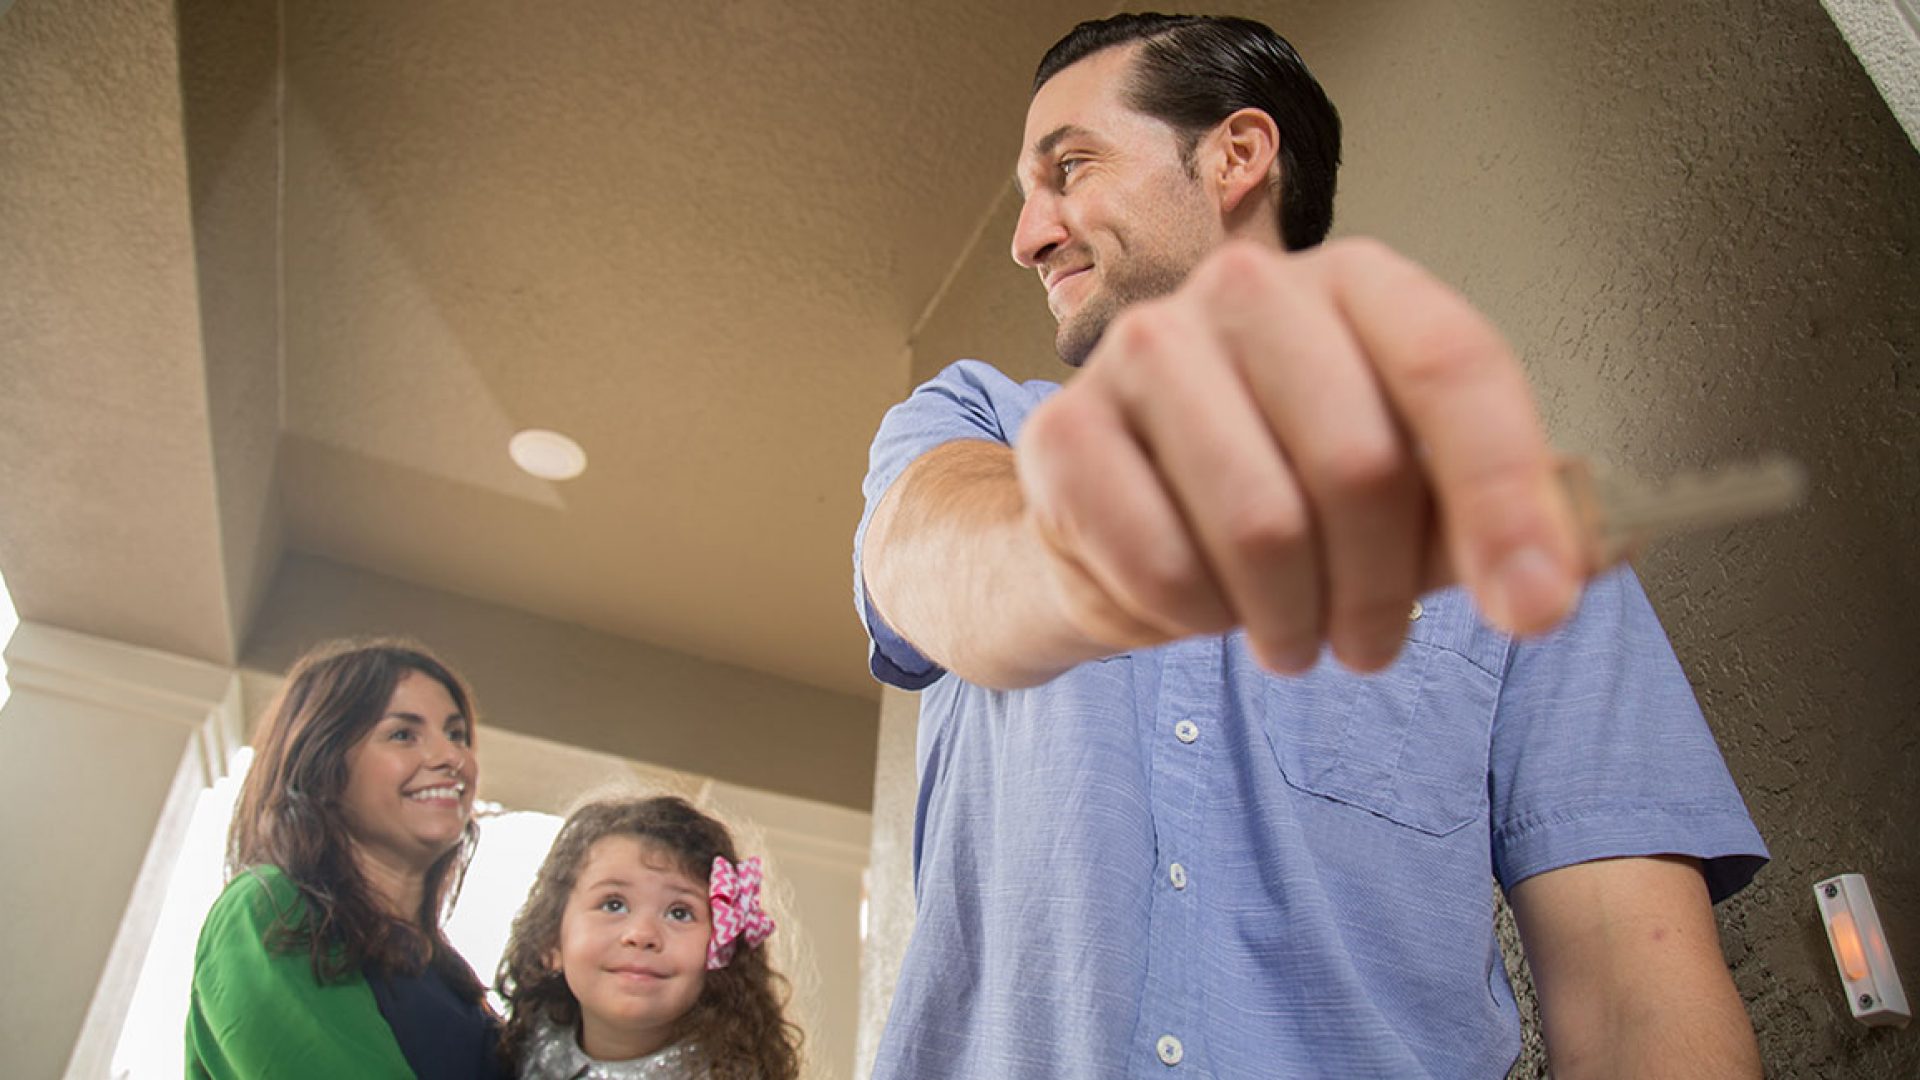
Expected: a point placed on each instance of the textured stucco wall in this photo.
(1698, 224)
(99, 319)
(230, 121)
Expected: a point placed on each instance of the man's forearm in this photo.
(1626, 960)
(1701, 1044)
(953, 566)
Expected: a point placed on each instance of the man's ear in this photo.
(1246, 152)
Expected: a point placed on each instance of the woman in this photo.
(325, 955)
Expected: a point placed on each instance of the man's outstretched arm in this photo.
(1297, 444)
(1626, 960)
(952, 564)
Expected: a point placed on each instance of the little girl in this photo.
(638, 954)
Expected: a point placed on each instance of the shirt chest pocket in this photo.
(1409, 744)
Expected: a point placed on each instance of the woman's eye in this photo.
(461, 736)
(402, 734)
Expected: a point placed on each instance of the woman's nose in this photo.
(444, 752)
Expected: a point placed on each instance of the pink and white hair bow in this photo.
(734, 894)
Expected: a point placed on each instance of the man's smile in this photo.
(1055, 280)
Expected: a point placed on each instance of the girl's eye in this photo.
(681, 913)
(614, 905)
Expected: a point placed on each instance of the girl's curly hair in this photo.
(738, 1022)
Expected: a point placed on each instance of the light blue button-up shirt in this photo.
(1171, 863)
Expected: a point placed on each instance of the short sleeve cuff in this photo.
(968, 400)
(1726, 843)
(893, 661)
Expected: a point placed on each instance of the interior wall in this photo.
(99, 318)
(230, 126)
(1697, 225)
(596, 691)
(119, 740)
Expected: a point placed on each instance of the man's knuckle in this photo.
(1449, 347)
(1266, 532)
(1362, 254)
(1238, 269)
(1169, 583)
(1370, 469)
(1063, 422)
(1142, 331)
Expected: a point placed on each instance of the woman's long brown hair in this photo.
(289, 816)
(738, 1022)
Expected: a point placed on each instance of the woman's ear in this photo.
(1244, 159)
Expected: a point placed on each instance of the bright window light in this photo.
(153, 1041)
(8, 620)
(512, 845)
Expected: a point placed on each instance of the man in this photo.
(1158, 831)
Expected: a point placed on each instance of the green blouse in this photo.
(260, 1013)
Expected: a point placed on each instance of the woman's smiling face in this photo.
(411, 777)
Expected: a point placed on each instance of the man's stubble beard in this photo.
(1145, 279)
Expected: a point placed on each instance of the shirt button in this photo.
(1414, 615)
(1186, 731)
(1178, 875)
(1170, 1050)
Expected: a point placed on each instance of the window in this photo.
(8, 620)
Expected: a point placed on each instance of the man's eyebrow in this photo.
(1045, 144)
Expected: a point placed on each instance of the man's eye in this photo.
(1067, 166)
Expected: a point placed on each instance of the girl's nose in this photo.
(640, 933)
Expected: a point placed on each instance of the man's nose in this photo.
(1039, 230)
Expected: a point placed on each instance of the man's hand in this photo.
(1297, 444)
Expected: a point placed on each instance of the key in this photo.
(1618, 515)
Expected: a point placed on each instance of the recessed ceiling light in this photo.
(548, 455)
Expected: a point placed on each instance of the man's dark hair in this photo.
(1194, 71)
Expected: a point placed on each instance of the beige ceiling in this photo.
(697, 238)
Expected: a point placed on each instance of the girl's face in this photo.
(633, 947)
(411, 777)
